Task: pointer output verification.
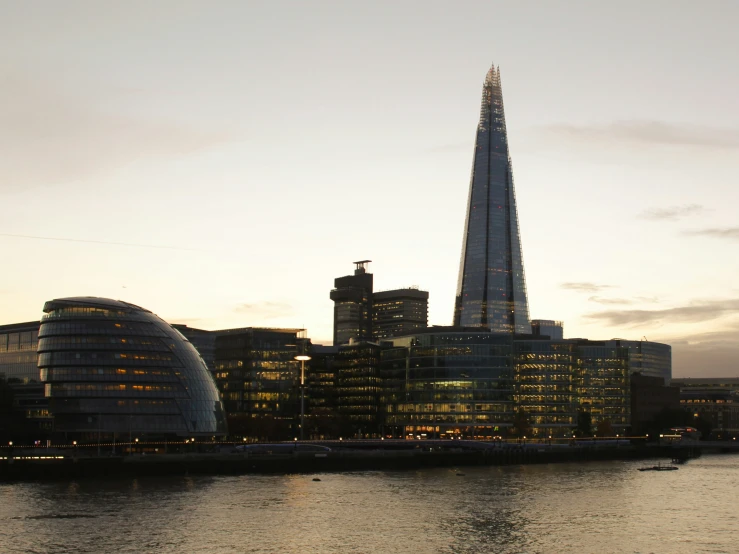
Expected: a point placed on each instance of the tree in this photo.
(604, 428)
(584, 424)
(521, 425)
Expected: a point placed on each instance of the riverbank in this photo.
(73, 466)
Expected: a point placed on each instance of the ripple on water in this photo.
(597, 507)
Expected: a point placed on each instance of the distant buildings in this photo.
(399, 312)
(715, 400)
(547, 328)
(116, 370)
(352, 296)
(360, 314)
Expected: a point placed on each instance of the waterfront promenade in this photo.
(141, 459)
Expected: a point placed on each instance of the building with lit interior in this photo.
(113, 369)
(259, 379)
(651, 359)
(399, 312)
(448, 381)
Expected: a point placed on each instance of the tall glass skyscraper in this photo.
(491, 290)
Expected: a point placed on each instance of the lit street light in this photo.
(302, 358)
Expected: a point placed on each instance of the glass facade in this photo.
(602, 384)
(18, 367)
(359, 386)
(448, 383)
(651, 359)
(545, 386)
(110, 367)
(491, 290)
(256, 372)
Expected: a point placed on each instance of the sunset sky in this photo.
(220, 163)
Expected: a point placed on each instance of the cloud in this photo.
(585, 287)
(601, 300)
(649, 132)
(731, 233)
(672, 213)
(265, 310)
(712, 354)
(693, 313)
(48, 137)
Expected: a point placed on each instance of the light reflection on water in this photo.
(594, 507)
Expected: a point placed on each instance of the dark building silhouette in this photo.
(352, 296)
(113, 368)
(399, 312)
(547, 328)
(491, 290)
(18, 367)
(649, 397)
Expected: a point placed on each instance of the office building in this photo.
(352, 296)
(651, 359)
(359, 387)
(650, 398)
(491, 291)
(399, 312)
(448, 382)
(18, 368)
(546, 385)
(259, 379)
(719, 408)
(547, 328)
(116, 370)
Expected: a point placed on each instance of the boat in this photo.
(659, 467)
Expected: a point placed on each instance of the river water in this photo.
(593, 507)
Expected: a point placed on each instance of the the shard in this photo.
(491, 291)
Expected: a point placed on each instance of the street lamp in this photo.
(302, 358)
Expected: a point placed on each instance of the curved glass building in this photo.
(112, 368)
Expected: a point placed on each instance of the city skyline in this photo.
(198, 163)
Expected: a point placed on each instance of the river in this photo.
(591, 507)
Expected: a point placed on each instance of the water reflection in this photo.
(604, 507)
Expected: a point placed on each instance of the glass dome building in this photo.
(111, 368)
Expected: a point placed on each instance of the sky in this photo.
(220, 163)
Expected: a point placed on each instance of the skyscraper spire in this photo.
(491, 291)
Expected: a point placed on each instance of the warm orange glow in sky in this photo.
(220, 164)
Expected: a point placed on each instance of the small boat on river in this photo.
(659, 467)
